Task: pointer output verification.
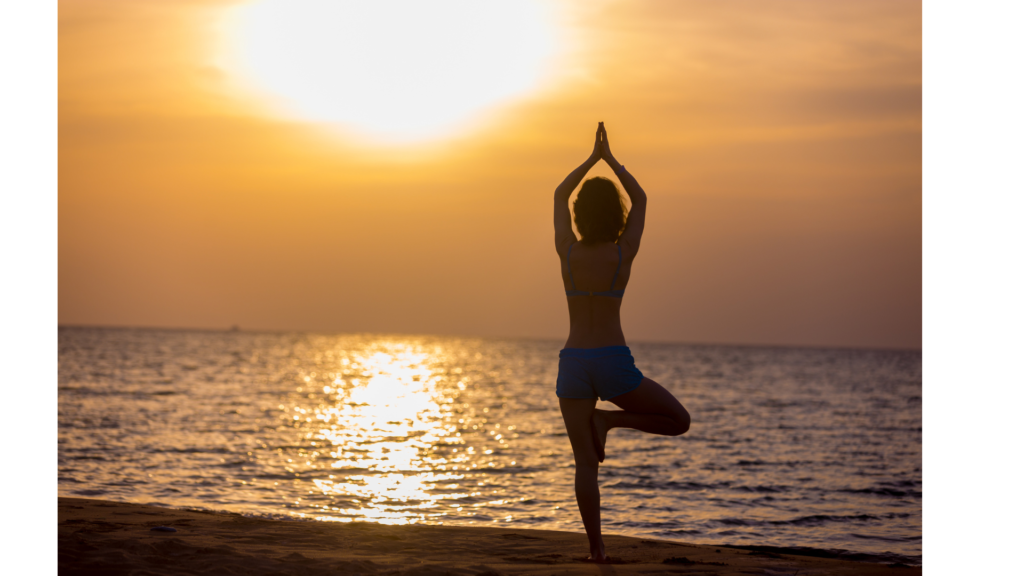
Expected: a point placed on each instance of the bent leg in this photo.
(577, 414)
(650, 408)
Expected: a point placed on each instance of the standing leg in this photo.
(577, 414)
(650, 408)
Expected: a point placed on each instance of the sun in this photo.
(399, 70)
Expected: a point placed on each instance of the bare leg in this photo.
(650, 408)
(577, 415)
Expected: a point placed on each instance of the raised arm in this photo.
(630, 238)
(564, 236)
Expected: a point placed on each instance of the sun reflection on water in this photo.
(462, 431)
(383, 434)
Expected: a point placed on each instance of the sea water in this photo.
(788, 446)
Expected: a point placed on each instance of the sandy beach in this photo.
(101, 537)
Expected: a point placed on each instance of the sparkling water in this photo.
(788, 446)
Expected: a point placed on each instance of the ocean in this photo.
(788, 447)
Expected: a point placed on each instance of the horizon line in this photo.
(237, 329)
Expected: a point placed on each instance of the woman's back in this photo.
(594, 276)
(596, 267)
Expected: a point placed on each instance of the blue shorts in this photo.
(596, 372)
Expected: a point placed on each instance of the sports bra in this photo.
(609, 293)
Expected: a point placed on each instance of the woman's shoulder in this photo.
(563, 249)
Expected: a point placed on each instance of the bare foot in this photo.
(599, 430)
(598, 558)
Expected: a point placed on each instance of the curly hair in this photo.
(599, 212)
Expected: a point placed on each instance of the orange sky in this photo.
(779, 144)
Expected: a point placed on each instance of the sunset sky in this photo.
(212, 173)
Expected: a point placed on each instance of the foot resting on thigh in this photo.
(599, 428)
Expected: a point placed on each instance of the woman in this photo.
(596, 361)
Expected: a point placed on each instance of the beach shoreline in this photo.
(99, 536)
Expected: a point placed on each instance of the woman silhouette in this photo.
(596, 361)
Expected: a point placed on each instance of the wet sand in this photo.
(100, 537)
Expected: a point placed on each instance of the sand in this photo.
(100, 537)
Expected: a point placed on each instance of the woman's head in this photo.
(599, 212)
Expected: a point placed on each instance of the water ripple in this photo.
(788, 448)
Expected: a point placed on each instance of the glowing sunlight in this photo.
(396, 70)
(379, 425)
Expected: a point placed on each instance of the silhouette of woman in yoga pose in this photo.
(596, 361)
